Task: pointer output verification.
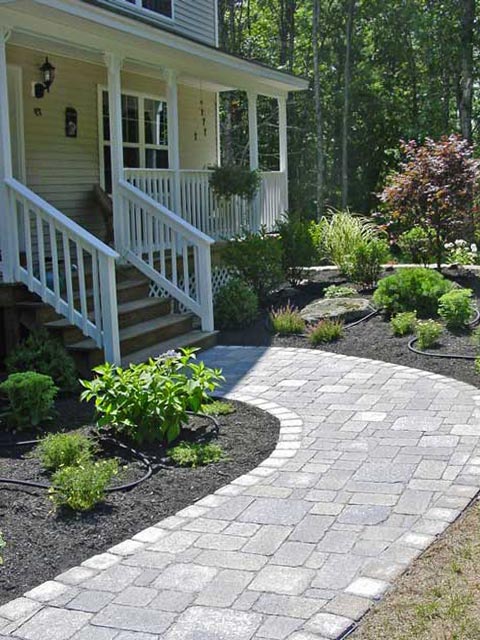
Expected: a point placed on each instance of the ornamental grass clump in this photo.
(456, 308)
(31, 398)
(148, 402)
(217, 408)
(287, 321)
(428, 332)
(403, 324)
(188, 454)
(325, 331)
(64, 450)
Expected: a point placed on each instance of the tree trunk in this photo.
(466, 75)
(318, 109)
(346, 100)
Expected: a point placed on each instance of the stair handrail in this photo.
(152, 234)
(100, 322)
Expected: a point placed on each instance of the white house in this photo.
(120, 97)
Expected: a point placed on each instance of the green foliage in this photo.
(3, 544)
(341, 234)
(434, 188)
(339, 291)
(229, 181)
(475, 338)
(287, 320)
(64, 450)
(31, 399)
(428, 332)
(477, 365)
(460, 252)
(298, 248)
(403, 324)
(257, 258)
(82, 487)
(416, 289)
(456, 308)
(325, 331)
(364, 263)
(236, 305)
(148, 402)
(417, 245)
(218, 408)
(43, 354)
(187, 454)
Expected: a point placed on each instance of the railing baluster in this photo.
(56, 273)
(41, 254)
(82, 286)
(68, 276)
(97, 305)
(186, 278)
(173, 254)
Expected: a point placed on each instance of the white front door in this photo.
(15, 102)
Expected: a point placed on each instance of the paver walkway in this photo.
(378, 461)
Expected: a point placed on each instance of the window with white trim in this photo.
(145, 134)
(162, 7)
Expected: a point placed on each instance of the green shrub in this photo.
(403, 324)
(298, 248)
(236, 305)
(148, 402)
(257, 259)
(477, 365)
(339, 291)
(428, 332)
(31, 399)
(43, 354)
(82, 487)
(217, 408)
(228, 181)
(287, 321)
(325, 331)
(475, 337)
(64, 450)
(3, 544)
(417, 245)
(416, 289)
(456, 308)
(187, 454)
(363, 265)
(340, 234)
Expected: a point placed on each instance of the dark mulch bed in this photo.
(42, 544)
(372, 339)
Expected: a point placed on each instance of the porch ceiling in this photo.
(77, 29)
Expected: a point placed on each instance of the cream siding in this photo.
(64, 170)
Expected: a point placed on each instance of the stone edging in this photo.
(59, 591)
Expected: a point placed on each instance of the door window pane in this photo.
(156, 158)
(155, 122)
(130, 123)
(131, 157)
(105, 119)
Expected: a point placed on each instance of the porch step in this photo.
(195, 338)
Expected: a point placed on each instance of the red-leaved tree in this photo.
(435, 188)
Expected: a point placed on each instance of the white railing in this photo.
(69, 268)
(217, 218)
(168, 250)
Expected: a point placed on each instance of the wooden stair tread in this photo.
(135, 330)
(191, 339)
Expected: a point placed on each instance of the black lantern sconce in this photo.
(48, 76)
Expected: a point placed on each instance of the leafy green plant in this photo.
(340, 234)
(477, 365)
(325, 331)
(428, 332)
(403, 324)
(460, 252)
(187, 454)
(416, 289)
(82, 487)
(217, 408)
(298, 248)
(363, 265)
(31, 399)
(257, 259)
(475, 338)
(417, 245)
(43, 354)
(148, 402)
(236, 305)
(64, 450)
(3, 544)
(339, 291)
(287, 320)
(456, 308)
(230, 180)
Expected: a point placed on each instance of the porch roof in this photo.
(86, 30)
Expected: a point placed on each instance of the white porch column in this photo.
(8, 228)
(114, 65)
(283, 145)
(254, 161)
(174, 137)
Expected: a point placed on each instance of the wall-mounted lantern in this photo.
(48, 76)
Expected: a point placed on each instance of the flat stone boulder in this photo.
(346, 309)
